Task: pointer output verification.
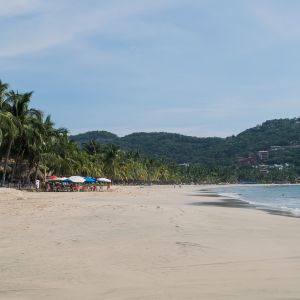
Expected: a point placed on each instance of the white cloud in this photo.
(279, 18)
(61, 22)
(19, 7)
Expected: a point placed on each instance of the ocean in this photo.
(285, 198)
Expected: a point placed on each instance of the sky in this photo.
(195, 67)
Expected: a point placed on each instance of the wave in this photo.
(295, 211)
(237, 196)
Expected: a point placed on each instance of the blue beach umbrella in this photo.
(90, 179)
(67, 180)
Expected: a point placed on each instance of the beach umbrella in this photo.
(67, 180)
(77, 179)
(104, 180)
(52, 177)
(61, 178)
(89, 179)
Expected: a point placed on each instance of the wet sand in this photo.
(144, 243)
(221, 201)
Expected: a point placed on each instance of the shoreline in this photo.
(230, 202)
(143, 243)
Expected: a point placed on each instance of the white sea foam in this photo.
(285, 198)
(294, 211)
(232, 195)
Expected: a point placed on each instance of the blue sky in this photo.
(196, 67)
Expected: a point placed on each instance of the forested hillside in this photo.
(211, 151)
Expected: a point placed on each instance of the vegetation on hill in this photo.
(100, 136)
(210, 151)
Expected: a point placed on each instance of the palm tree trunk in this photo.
(36, 171)
(13, 173)
(6, 160)
(29, 172)
(19, 166)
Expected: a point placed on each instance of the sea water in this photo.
(278, 197)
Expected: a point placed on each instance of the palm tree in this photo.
(15, 107)
(111, 161)
(5, 116)
(92, 147)
(63, 155)
(26, 140)
(39, 134)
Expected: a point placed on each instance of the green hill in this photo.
(103, 137)
(212, 151)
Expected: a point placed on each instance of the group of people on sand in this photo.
(56, 186)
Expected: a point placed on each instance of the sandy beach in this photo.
(143, 243)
